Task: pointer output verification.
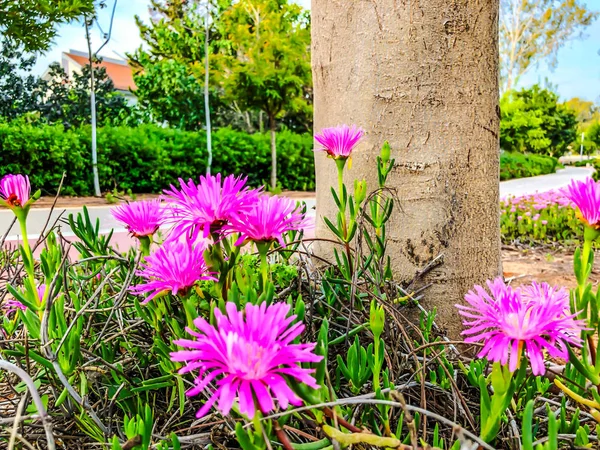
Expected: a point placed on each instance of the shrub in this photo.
(147, 158)
(533, 121)
(517, 165)
(540, 218)
(595, 163)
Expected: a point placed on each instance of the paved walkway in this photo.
(39, 216)
(544, 183)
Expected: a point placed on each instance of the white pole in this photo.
(97, 192)
(581, 151)
(206, 92)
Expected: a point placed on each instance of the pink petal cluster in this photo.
(509, 322)
(538, 201)
(207, 206)
(15, 190)
(247, 357)
(585, 195)
(141, 218)
(11, 306)
(338, 142)
(41, 291)
(268, 219)
(173, 267)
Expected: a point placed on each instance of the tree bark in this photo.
(423, 75)
(272, 127)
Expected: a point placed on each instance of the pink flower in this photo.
(586, 197)
(142, 218)
(536, 217)
(338, 142)
(519, 217)
(41, 290)
(174, 267)
(15, 190)
(247, 358)
(544, 222)
(511, 321)
(267, 221)
(207, 206)
(11, 306)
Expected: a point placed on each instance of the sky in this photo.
(576, 75)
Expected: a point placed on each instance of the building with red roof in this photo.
(118, 70)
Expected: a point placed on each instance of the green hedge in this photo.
(595, 163)
(518, 165)
(148, 158)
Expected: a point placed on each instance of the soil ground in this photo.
(552, 265)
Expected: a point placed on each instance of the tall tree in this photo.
(67, 101)
(424, 76)
(585, 110)
(19, 89)
(266, 60)
(534, 30)
(32, 23)
(534, 121)
(588, 117)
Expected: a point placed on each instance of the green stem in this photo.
(340, 163)
(28, 254)
(145, 242)
(263, 249)
(377, 365)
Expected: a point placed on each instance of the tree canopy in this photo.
(534, 121)
(534, 30)
(32, 23)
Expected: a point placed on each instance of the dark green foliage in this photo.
(32, 23)
(593, 134)
(43, 153)
(68, 101)
(533, 121)
(518, 165)
(19, 90)
(147, 158)
(595, 163)
(58, 99)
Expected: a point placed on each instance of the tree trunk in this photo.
(272, 127)
(424, 76)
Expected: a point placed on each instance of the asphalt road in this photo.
(544, 183)
(39, 216)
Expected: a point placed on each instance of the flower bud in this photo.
(377, 321)
(360, 191)
(385, 152)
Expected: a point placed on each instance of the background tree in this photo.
(32, 23)
(534, 121)
(534, 30)
(265, 60)
(588, 117)
(67, 101)
(169, 93)
(20, 91)
(586, 111)
(170, 69)
(593, 134)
